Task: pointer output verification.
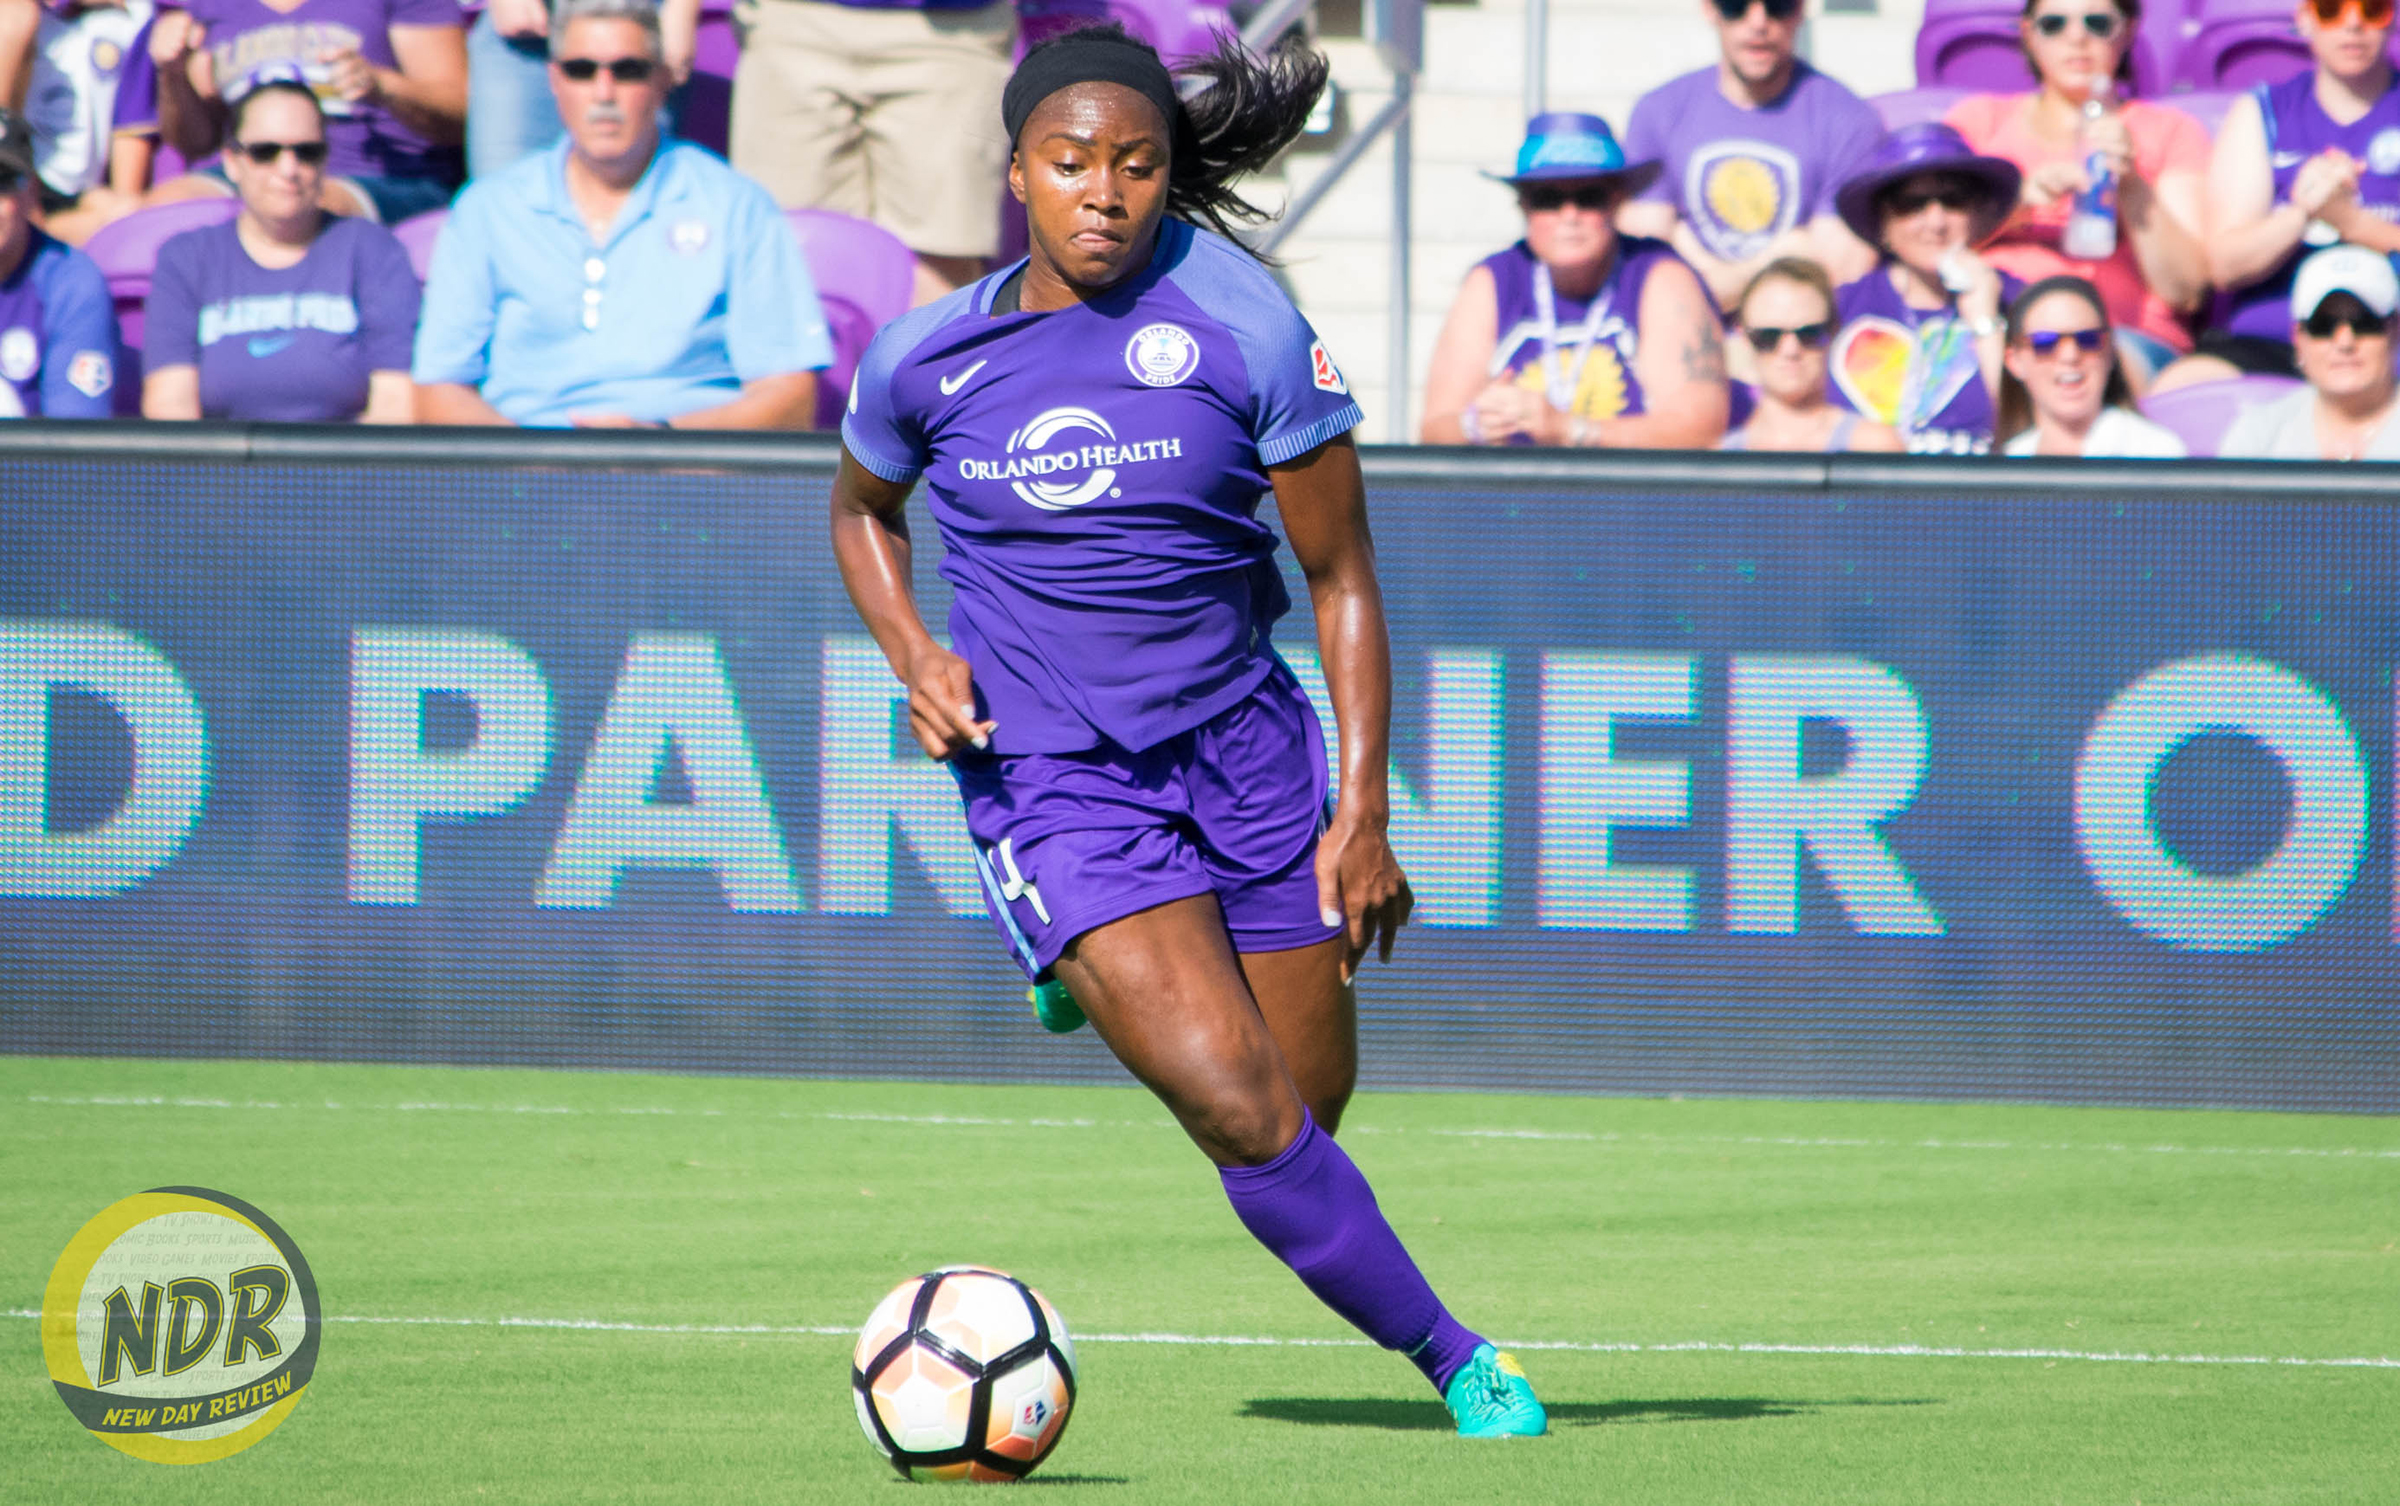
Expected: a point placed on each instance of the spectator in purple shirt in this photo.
(392, 75)
(58, 331)
(1921, 342)
(1576, 335)
(1754, 148)
(2297, 166)
(287, 313)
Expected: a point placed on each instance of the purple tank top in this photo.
(1592, 341)
(2297, 129)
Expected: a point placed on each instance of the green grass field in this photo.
(705, 1232)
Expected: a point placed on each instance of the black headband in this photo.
(1079, 58)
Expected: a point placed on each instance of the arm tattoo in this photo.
(1703, 355)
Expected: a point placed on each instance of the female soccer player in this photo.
(1143, 778)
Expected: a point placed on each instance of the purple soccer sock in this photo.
(1315, 1212)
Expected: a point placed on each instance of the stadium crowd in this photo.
(397, 210)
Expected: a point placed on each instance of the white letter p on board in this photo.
(396, 782)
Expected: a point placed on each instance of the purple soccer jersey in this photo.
(293, 344)
(58, 335)
(2297, 129)
(1915, 369)
(1588, 370)
(1096, 473)
(1742, 177)
(362, 139)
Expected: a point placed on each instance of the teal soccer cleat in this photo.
(1492, 1399)
(1055, 1007)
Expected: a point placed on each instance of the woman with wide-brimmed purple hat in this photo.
(1921, 339)
(1577, 335)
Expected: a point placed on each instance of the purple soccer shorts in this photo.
(1233, 807)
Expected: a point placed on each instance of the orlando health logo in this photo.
(1030, 458)
(180, 1325)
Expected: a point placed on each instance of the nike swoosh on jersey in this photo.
(2288, 159)
(262, 346)
(952, 384)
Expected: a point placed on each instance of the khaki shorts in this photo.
(890, 115)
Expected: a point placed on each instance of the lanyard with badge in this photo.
(1559, 380)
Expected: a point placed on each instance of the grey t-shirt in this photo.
(2286, 429)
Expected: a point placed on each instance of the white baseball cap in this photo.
(2365, 275)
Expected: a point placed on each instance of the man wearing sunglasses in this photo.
(1754, 148)
(2343, 302)
(618, 278)
(58, 330)
(2297, 165)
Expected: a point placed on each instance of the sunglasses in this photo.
(10, 180)
(1590, 196)
(1767, 341)
(264, 153)
(2102, 24)
(623, 70)
(1907, 201)
(2324, 324)
(1777, 10)
(2372, 14)
(2045, 342)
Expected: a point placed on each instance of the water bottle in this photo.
(2091, 233)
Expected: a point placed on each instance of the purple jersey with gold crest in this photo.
(1583, 356)
(2297, 129)
(1096, 473)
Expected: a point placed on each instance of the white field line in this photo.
(1798, 1142)
(1240, 1341)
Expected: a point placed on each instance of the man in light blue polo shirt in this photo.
(618, 279)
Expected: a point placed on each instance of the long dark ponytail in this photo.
(1249, 109)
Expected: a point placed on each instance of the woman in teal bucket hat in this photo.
(1577, 335)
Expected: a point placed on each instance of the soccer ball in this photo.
(965, 1373)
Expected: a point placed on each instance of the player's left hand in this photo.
(1360, 886)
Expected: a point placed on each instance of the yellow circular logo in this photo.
(1745, 195)
(180, 1325)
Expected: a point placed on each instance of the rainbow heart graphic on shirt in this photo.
(1870, 365)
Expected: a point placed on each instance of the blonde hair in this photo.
(1797, 269)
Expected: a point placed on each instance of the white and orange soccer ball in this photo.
(965, 1373)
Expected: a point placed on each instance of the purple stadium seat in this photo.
(1904, 107)
(704, 105)
(1177, 28)
(2201, 414)
(127, 251)
(1973, 45)
(417, 234)
(2238, 43)
(865, 279)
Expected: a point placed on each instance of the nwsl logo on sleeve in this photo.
(1323, 372)
(1161, 355)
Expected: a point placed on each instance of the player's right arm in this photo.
(871, 545)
